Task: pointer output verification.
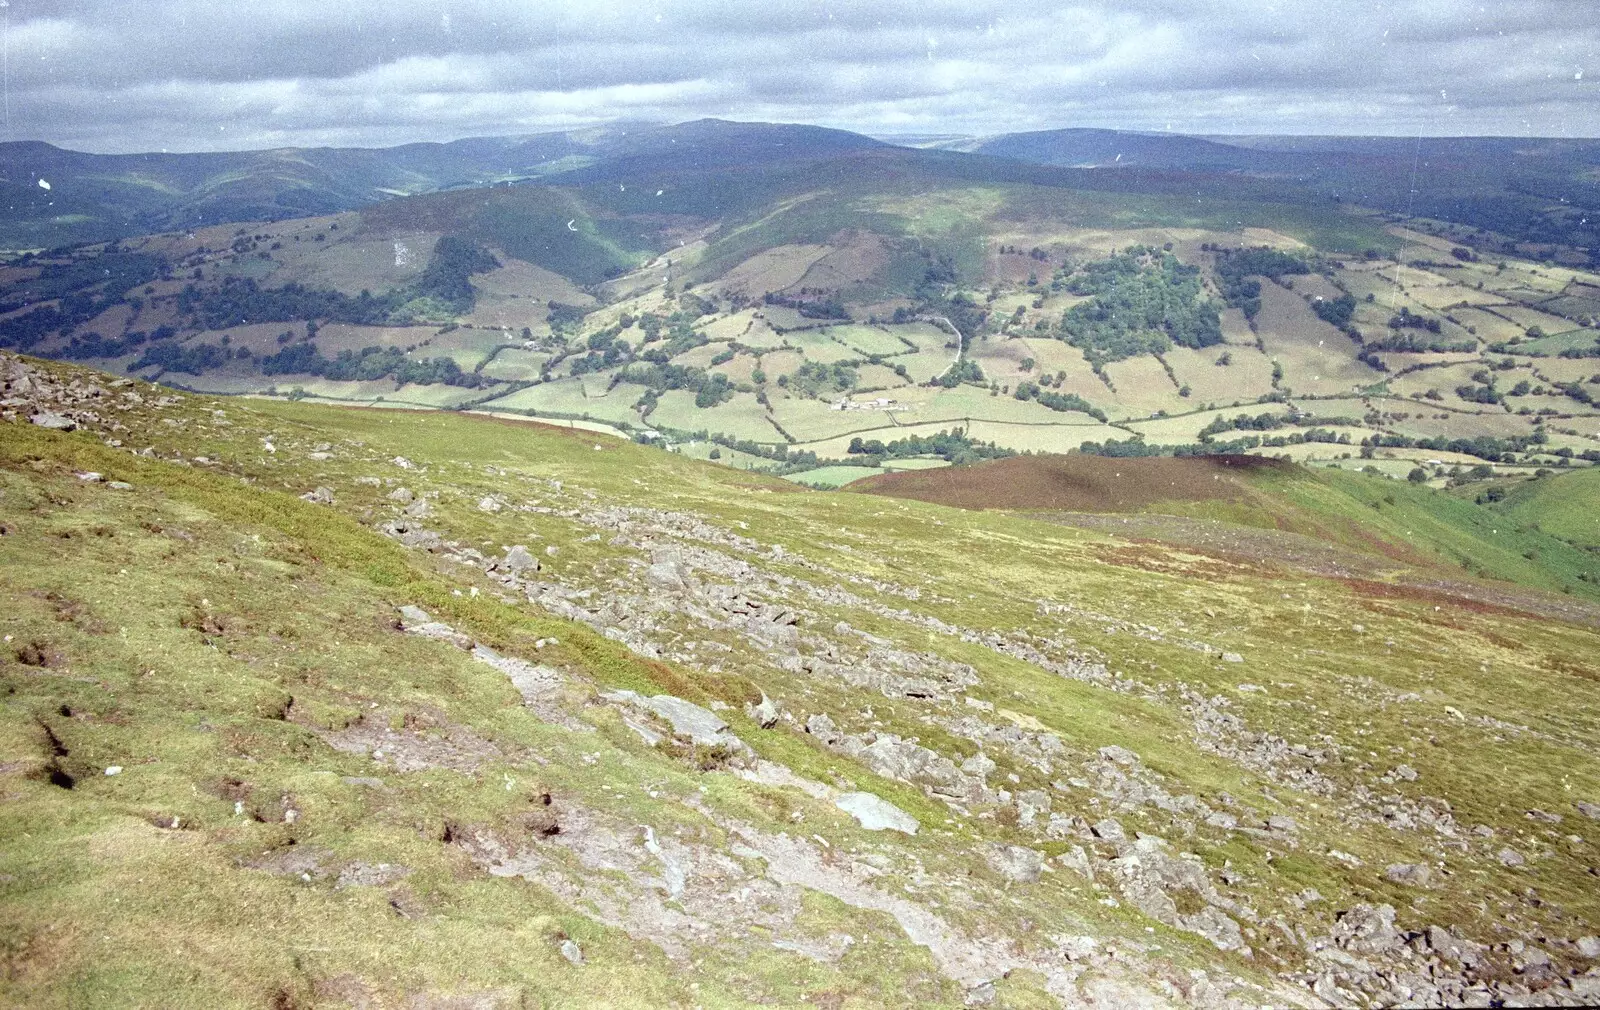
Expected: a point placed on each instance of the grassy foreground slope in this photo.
(312, 807)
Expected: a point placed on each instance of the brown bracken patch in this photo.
(1074, 483)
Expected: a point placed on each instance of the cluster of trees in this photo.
(824, 306)
(1336, 311)
(193, 359)
(953, 446)
(1406, 319)
(815, 380)
(1058, 401)
(605, 351)
(709, 389)
(1237, 269)
(964, 370)
(93, 345)
(1415, 343)
(1142, 302)
(1495, 450)
(370, 363)
(443, 288)
(1136, 446)
(85, 288)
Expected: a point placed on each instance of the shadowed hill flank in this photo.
(1076, 483)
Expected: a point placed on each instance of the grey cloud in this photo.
(203, 74)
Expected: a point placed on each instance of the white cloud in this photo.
(205, 74)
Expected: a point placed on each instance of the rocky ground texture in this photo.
(748, 729)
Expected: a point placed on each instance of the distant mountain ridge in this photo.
(1535, 189)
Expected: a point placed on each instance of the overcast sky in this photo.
(116, 75)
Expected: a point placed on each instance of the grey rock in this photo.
(1232, 657)
(982, 994)
(1281, 822)
(518, 561)
(699, 725)
(1109, 830)
(823, 728)
(119, 485)
(1367, 929)
(1409, 874)
(1589, 810)
(321, 496)
(418, 509)
(488, 504)
(1447, 945)
(402, 495)
(1589, 946)
(668, 575)
(1510, 857)
(1118, 755)
(875, 813)
(1077, 860)
(371, 874)
(765, 714)
(572, 952)
(1016, 863)
(54, 422)
(979, 764)
(415, 621)
(1543, 816)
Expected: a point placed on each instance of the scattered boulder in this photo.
(1016, 863)
(572, 952)
(1543, 816)
(1510, 857)
(54, 422)
(1447, 945)
(489, 504)
(321, 496)
(402, 495)
(875, 813)
(1118, 755)
(418, 509)
(518, 561)
(1589, 810)
(1589, 946)
(1409, 874)
(1281, 823)
(1109, 830)
(765, 714)
(699, 725)
(1367, 929)
(415, 621)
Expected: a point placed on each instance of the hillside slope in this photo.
(296, 697)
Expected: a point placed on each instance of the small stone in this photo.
(1281, 822)
(874, 813)
(488, 504)
(54, 422)
(113, 769)
(1232, 657)
(91, 477)
(1510, 857)
(518, 560)
(321, 496)
(119, 485)
(572, 952)
(1109, 830)
(402, 495)
(1589, 946)
(1589, 810)
(1409, 874)
(1016, 863)
(418, 509)
(1543, 816)
(1118, 755)
(765, 714)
